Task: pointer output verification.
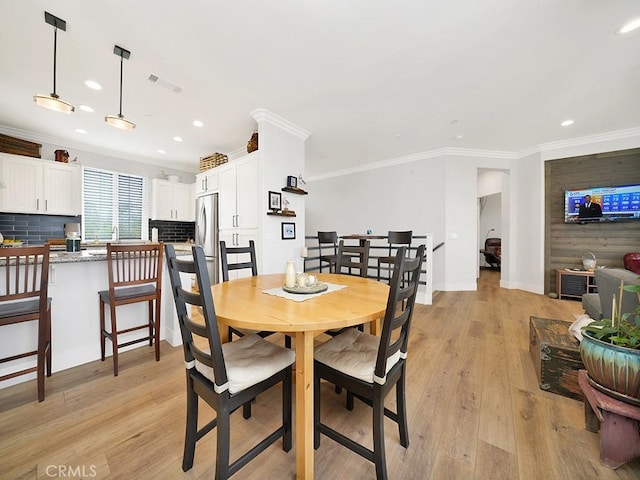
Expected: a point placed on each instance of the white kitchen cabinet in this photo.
(238, 194)
(172, 201)
(206, 182)
(37, 186)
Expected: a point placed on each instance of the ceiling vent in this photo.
(165, 84)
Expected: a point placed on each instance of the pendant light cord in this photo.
(121, 69)
(55, 56)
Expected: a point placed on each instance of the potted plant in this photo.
(610, 351)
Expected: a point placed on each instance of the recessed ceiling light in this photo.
(81, 130)
(93, 85)
(566, 123)
(629, 27)
(198, 123)
(161, 151)
(86, 108)
(177, 139)
(458, 137)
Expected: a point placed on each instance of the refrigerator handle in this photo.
(201, 226)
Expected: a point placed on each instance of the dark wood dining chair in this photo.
(353, 257)
(135, 275)
(395, 239)
(243, 264)
(225, 376)
(369, 367)
(330, 242)
(23, 298)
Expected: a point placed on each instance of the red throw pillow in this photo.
(632, 262)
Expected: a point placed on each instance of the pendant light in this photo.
(119, 121)
(52, 101)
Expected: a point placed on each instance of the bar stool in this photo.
(23, 298)
(396, 240)
(328, 238)
(135, 275)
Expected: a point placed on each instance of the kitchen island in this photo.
(74, 282)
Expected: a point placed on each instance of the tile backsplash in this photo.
(173, 231)
(34, 229)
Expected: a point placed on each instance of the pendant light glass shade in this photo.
(119, 121)
(53, 101)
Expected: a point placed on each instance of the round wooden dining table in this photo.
(242, 303)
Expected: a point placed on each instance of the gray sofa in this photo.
(599, 305)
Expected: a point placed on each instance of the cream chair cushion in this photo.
(354, 353)
(249, 360)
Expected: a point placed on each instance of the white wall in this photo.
(435, 195)
(116, 164)
(408, 196)
(437, 192)
(282, 151)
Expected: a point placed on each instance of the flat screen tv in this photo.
(608, 204)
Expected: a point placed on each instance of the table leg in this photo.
(375, 327)
(304, 405)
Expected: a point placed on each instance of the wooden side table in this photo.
(574, 283)
(618, 422)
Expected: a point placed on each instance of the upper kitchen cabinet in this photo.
(238, 193)
(172, 201)
(207, 182)
(37, 186)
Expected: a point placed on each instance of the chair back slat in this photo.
(137, 264)
(225, 251)
(26, 272)
(400, 306)
(398, 239)
(353, 256)
(195, 332)
(329, 239)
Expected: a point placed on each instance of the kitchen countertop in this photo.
(99, 254)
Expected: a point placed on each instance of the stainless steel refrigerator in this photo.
(207, 232)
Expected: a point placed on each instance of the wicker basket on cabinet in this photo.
(212, 161)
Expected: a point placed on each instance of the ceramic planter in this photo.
(613, 369)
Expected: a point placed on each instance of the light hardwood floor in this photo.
(475, 411)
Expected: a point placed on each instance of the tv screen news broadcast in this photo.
(602, 204)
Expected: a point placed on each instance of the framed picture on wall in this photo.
(288, 231)
(292, 182)
(275, 201)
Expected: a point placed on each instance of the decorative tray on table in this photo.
(317, 288)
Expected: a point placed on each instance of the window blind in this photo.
(113, 199)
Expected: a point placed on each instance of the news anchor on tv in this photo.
(589, 209)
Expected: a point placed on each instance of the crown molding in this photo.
(264, 115)
(43, 138)
(496, 154)
(440, 152)
(237, 153)
(579, 141)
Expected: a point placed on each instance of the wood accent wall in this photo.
(565, 244)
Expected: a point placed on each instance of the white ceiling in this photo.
(370, 80)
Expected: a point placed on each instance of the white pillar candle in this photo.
(305, 252)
